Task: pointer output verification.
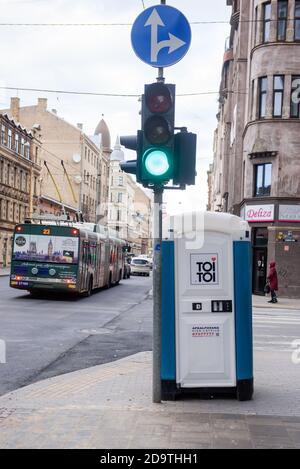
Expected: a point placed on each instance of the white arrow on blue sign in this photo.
(161, 36)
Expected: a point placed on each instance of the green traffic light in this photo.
(156, 162)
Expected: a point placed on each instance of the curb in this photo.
(281, 307)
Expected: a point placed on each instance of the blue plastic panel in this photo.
(243, 309)
(168, 356)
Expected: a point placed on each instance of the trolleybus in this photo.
(65, 256)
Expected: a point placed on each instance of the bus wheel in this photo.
(90, 288)
(33, 293)
(120, 277)
(109, 282)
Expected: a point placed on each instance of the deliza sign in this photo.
(204, 269)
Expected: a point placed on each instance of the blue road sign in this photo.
(161, 36)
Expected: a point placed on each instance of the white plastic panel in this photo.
(205, 342)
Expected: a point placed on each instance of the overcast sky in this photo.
(101, 59)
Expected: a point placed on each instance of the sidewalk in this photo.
(110, 406)
(4, 271)
(283, 303)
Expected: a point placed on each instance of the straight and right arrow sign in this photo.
(161, 36)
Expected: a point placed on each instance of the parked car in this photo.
(127, 268)
(140, 267)
(149, 259)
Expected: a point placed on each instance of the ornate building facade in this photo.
(19, 179)
(256, 168)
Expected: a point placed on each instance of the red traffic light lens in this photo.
(158, 98)
(157, 130)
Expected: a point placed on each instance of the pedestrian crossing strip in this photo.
(276, 331)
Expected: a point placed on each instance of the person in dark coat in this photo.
(273, 282)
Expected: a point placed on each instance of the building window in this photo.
(282, 20)
(120, 195)
(3, 135)
(22, 146)
(263, 87)
(120, 180)
(295, 97)
(27, 150)
(263, 179)
(9, 135)
(297, 20)
(252, 100)
(17, 143)
(16, 178)
(266, 21)
(278, 95)
(255, 25)
(8, 175)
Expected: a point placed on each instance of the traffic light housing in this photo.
(132, 142)
(156, 161)
(162, 155)
(185, 154)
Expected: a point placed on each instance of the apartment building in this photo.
(19, 179)
(75, 172)
(256, 168)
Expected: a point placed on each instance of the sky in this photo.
(101, 59)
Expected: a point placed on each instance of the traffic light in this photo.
(162, 155)
(185, 154)
(132, 142)
(156, 158)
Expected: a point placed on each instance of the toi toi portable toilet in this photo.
(207, 307)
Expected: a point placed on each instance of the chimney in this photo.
(80, 126)
(15, 108)
(42, 104)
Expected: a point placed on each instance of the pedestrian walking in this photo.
(273, 282)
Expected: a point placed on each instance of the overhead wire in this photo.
(117, 95)
(195, 23)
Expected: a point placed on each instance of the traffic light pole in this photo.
(157, 285)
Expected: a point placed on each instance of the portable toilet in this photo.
(207, 342)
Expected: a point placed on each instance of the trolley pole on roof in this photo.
(69, 181)
(55, 185)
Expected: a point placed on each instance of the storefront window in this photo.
(260, 237)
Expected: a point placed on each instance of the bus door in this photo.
(84, 265)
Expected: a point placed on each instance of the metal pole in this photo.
(157, 225)
(157, 284)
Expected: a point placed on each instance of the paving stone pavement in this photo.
(109, 407)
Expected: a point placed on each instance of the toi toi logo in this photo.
(2, 351)
(204, 269)
(296, 353)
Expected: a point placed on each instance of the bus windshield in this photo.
(40, 248)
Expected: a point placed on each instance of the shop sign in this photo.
(259, 213)
(289, 213)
